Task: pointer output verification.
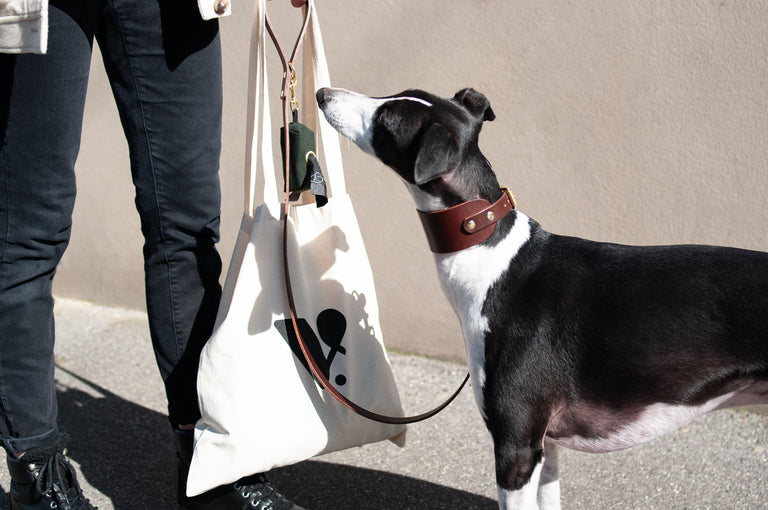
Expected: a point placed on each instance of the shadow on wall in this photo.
(125, 451)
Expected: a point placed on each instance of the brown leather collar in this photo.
(465, 225)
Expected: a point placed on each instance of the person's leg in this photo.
(164, 65)
(41, 107)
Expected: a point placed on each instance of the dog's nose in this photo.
(320, 96)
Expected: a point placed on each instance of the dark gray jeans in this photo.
(164, 66)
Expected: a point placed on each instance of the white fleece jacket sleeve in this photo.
(23, 26)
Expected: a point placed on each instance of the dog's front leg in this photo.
(548, 495)
(523, 498)
(519, 495)
(518, 470)
(524, 481)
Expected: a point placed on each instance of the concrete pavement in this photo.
(113, 406)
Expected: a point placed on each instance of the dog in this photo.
(591, 346)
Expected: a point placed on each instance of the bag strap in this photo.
(259, 123)
(289, 82)
(331, 146)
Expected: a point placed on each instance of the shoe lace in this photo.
(57, 479)
(261, 495)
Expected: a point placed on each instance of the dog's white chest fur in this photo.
(465, 277)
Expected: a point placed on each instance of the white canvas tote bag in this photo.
(261, 407)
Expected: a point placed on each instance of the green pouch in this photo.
(302, 142)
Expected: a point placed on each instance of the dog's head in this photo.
(429, 141)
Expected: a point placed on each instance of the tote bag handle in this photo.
(259, 123)
(259, 153)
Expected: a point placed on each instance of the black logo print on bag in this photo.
(331, 326)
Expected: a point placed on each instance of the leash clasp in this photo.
(292, 86)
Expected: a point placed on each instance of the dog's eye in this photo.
(383, 117)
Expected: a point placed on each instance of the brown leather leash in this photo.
(288, 90)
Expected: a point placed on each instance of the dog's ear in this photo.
(477, 104)
(438, 154)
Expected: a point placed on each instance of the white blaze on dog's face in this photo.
(353, 114)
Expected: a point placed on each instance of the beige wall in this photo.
(633, 122)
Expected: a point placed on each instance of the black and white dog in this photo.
(591, 346)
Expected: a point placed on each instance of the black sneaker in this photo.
(44, 479)
(252, 492)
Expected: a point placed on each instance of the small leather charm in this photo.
(316, 180)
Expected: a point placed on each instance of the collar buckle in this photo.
(510, 195)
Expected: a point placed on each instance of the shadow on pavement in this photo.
(125, 451)
(323, 486)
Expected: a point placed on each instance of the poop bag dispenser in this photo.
(304, 168)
